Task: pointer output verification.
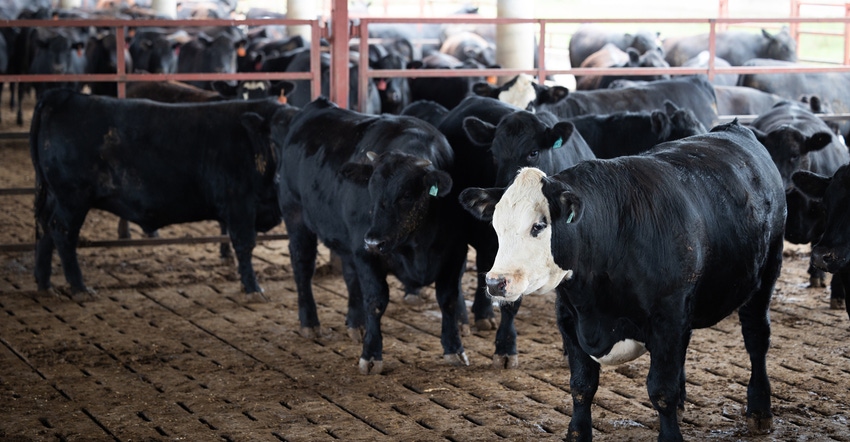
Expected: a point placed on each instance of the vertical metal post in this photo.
(339, 53)
(363, 66)
(712, 47)
(723, 12)
(846, 34)
(794, 27)
(120, 65)
(541, 53)
(316, 59)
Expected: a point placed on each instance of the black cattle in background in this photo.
(590, 38)
(831, 253)
(739, 100)
(523, 92)
(101, 59)
(448, 91)
(394, 91)
(210, 54)
(799, 140)
(701, 61)
(153, 164)
(612, 57)
(736, 47)
(426, 110)
(153, 50)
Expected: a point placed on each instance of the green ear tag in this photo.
(570, 218)
(433, 191)
(558, 143)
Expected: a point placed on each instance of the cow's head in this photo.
(832, 251)
(789, 149)
(258, 131)
(403, 189)
(779, 46)
(522, 91)
(519, 140)
(683, 122)
(522, 217)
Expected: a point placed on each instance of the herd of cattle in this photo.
(647, 217)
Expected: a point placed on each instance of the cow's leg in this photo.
(482, 305)
(844, 275)
(224, 248)
(376, 296)
(64, 225)
(244, 238)
(506, 354)
(302, 257)
(837, 293)
(450, 299)
(355, 319)
(20, 114)
(584, 375)
(755, 326)
(669, 343)
(817, 277)
(123, 229)
(43, 258)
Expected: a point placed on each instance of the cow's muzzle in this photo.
(496, 287)
(375, 245)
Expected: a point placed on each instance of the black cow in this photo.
(491, 141)
(642, 250)
(831, 252)
(832, 87)
(205, 53)
(694, 93)
(394, 91)
(154, 164)
(630, 133)
(799, 140)
(373, 189)
(610, 57)
(590, 38)
(739, 100)
(448, 91)
(736, 47)
(155, 50)
(523, 92)
(426, 110)
(466, 45)
(101, 58)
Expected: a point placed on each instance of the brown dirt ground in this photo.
(168, 352)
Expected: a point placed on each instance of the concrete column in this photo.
(167, 8)
(300, 10)
(515, 43)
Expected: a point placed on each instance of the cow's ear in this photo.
(670, 107)
(766, 34)
(817, 141)
(550, 95)
(415, 64)
(660, 122)
(224, 88)
(557, 136)
(810, 183)
(485, 89)
(281, 88)
(634, 56)
(357, 173)
(761, 136)
(481, 203)
(438, 183)
(570, 206)
(480, 132)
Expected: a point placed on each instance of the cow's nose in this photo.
(375, 245)
(496, 286)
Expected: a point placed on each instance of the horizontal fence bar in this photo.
(15, 248)
(17, 191)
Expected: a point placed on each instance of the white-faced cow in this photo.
(831, 253)
(373, 190)
(641, 250)
(153, 164)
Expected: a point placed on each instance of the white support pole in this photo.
(515, 43)
(167, 8)
(300, 10)
(70, 4)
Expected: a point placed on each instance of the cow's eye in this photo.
(538, 227)
(533, 154)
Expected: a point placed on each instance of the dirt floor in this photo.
(168, 351)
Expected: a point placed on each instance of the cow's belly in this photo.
(608, 340)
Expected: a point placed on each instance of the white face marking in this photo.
(521, 93)
(254, 85)
(622, 352)
(523, 260)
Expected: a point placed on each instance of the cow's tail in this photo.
(40, 183)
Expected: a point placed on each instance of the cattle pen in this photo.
(168, 350)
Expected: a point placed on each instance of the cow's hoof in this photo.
(356, 334)
(759, 425)
(505, 361)
(82, 294)
(485, 324)
(309, 332)
(816, 282)
(371, 366)
(456, 359)
(465, 330)
(414, 299)
(680, 414)
(836, 304)
(256, 297)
